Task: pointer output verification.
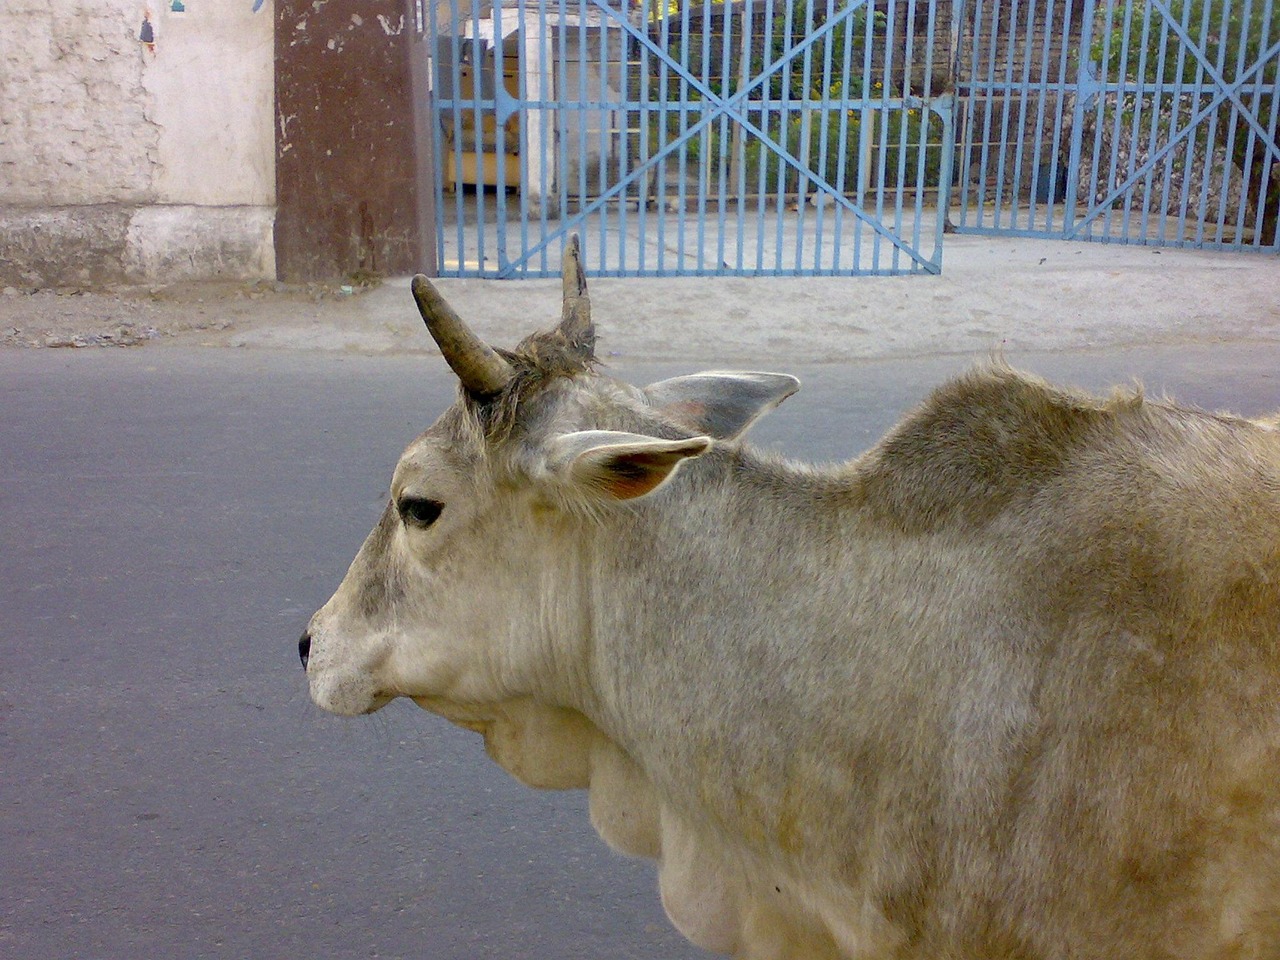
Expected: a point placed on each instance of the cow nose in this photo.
(304, 649)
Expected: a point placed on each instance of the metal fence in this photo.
(1149, 122)
(753, 138)
(808, 137)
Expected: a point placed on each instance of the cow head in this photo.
(469, 591)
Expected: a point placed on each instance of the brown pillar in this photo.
(348, 184)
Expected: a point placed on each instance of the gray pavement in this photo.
(170, 519)
(171, 515)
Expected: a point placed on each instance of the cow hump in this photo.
(977, 444)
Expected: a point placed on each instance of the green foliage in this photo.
(851, 33)
(1232, 35)
(816, 113)
(704, 56)
(1230, 32)
(813, 136)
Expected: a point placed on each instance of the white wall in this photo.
(122, 164)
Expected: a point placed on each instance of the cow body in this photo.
(1004, 686)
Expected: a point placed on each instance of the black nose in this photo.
(304, 649)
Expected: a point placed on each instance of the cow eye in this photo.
(419, 511)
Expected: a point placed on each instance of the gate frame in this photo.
(1086, 88)
(732, 108)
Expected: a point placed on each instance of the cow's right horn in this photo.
(479, 368)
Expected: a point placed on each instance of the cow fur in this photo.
(1005, 686)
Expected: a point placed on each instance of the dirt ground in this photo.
(130, 316)
(993, 294)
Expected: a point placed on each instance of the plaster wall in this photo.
(124, 162)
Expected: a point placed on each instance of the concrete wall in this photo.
(121, 162)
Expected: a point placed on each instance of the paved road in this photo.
(168, 522)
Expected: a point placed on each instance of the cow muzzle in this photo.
(345, 677)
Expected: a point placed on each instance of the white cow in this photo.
(1006, 686)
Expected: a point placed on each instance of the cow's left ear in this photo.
(720, 404)
(619, 466)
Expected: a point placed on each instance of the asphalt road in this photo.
(169, 519)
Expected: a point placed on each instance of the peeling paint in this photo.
(98, 131)
(343, 120)
(77, 123)
(147, 33)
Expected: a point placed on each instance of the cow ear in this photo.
(720, 404)
(619, 466)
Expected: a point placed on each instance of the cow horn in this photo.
(479, 368)
(575, 317)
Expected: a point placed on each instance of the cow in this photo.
(1007, 685)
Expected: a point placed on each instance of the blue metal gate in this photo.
(801, 137)
(1146, 122)
(758, 137)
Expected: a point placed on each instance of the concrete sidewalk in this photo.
(993, 293)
